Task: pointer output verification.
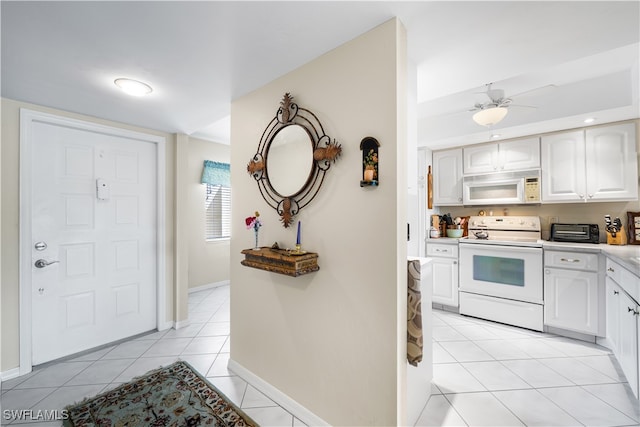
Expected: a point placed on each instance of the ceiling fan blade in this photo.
(530, 91)
(522, 106)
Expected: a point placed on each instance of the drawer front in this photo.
(625, 279)
(614, 270)
(571, 260)
(442, 250)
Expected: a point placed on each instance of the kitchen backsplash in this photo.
(584, 213)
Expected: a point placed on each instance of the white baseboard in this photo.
(10, 374)
(181, 324)
(209, 286)
(299, 411)
(166, 325)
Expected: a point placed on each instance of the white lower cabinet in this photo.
(623, 321)
(571, 291)
(628, 345)
(445, 273)
(613, 314)
(445, 281)
(571, 300)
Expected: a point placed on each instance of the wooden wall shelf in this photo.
(281, 261)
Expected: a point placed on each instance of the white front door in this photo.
(93, 221)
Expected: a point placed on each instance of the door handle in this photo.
(41, 263)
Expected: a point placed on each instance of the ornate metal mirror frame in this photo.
(288, 202)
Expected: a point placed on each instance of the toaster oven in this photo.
(575, 233)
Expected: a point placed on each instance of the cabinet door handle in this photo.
(569, 260)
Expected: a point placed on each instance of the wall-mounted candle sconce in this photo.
(369, 147)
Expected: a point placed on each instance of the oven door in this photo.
(511, 272)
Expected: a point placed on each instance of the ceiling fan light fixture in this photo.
(133, 87)
(490, 116)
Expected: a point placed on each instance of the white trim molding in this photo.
(299, 411)
(27, 119)
(10, 374)
(209, 286)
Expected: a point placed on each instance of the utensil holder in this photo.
(620, 238)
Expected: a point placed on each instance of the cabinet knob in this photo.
(610, 269)
(632, 311)
(591, 196)
(455, 262)
(581, 196)
(616, 292)
(459, 199)
(547, 271)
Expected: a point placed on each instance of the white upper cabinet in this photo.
(502, 156)
(520, 154)
(612, 166)
(480, 158)
(597, 164)
(447, 177)
(563, 167)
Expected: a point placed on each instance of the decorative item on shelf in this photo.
(633, 226)
(298, 250)
(369, 147)
(293, 156)
(253, 222)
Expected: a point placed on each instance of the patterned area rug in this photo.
(175, 395)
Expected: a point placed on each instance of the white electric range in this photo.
(501, 270)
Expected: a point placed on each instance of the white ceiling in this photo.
(199, 56)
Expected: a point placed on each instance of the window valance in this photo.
(216, 173)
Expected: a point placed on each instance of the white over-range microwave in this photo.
(504, 188)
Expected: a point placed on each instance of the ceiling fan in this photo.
(493, 111)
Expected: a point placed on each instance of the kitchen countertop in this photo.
(627, 256)
(446, 240)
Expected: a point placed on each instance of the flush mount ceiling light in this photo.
(133, 87)
(589, 120)
(489, 116)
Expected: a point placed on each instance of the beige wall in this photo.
(329, 340)
(10, 221)
(208, 261)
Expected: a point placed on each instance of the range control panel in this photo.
(505, 222)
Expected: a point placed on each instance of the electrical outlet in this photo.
(553, 219)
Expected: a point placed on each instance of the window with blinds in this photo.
(217, 206)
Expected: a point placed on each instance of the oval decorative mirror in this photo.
(292, 158)
(290, 161)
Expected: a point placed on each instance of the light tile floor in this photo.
(485, 374)
(488, 374)
(204, 344)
